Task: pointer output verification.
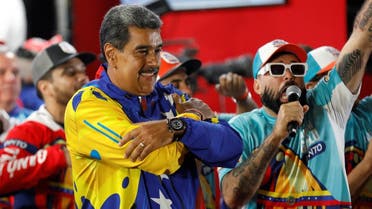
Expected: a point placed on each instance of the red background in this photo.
(224, 33)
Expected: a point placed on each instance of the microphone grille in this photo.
(293, 90)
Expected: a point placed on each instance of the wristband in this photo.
(243, 97)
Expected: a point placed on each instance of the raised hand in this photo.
(232, 85)
(292, 111)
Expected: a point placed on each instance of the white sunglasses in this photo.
(278, 69)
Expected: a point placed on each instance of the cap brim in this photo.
(190, 66)
(85, 57)
(327, 68)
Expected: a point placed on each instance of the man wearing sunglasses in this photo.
(279, 69)
(307, 169)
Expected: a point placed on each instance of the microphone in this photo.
(293, 93)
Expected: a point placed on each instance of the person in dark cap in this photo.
(35, 166)
(293, 153)
(133, 141)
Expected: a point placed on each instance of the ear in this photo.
(44, 87)
(257, 86)
(110, 53)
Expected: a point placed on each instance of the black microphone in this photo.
(293, 93)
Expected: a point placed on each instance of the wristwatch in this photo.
(176, 126)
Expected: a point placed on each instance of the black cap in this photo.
(55, 55)
(169, 64)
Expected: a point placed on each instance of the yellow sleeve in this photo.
(94, 125)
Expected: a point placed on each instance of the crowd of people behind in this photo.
(134, 137)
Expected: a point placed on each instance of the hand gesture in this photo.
(231, 84)
(147, 137)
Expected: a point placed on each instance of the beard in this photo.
(271, 99)
(63, 95)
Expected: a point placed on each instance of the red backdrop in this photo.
(224, 33)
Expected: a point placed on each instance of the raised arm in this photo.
(356, 52)
(233, 85)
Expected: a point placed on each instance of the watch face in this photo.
(176, 124)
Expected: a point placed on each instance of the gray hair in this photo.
(115, 24)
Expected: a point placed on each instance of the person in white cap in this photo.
(293, 154)
(320, 61)
(34, 164)
(358, 133)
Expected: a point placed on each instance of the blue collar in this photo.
(158, 103)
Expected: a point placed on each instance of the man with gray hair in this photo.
(133, 141)
(10, 88)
